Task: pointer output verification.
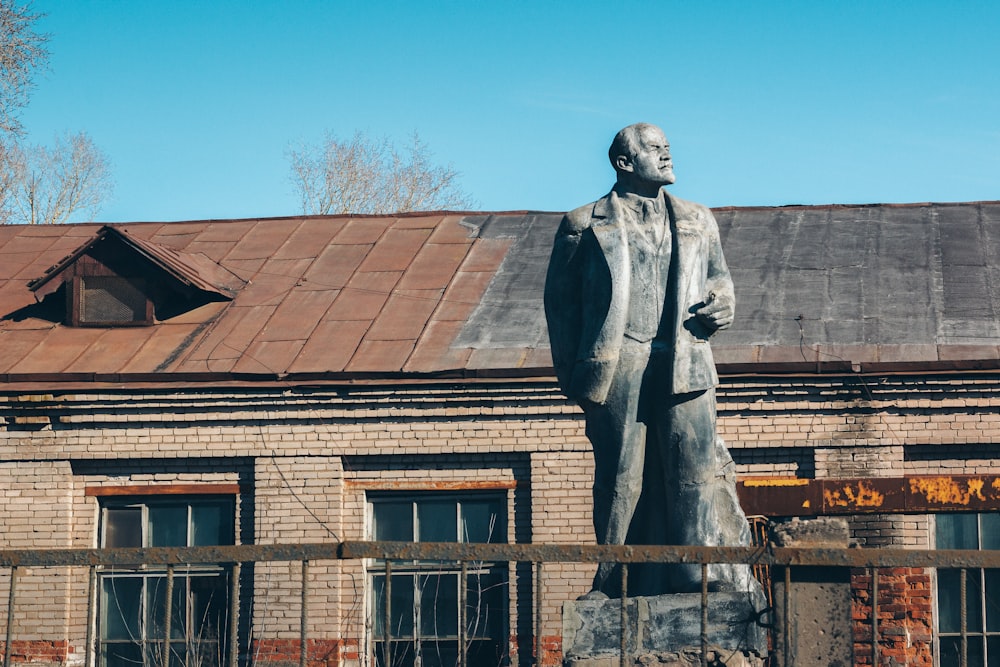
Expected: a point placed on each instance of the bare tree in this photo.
(365, 175)
(22, 53)
(49, 185)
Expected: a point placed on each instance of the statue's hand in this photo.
(717, 313)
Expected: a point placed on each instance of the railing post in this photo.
(786, 620)
(167, 612)
(88, 652)
(964, 600)
(304, 615)
(874, 571)
(10, 615)
(538, 613)
(623, 618)
(463, 594)
(704, 615)
(387, 620)
(234, 615)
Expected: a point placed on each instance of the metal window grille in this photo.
(110, 299)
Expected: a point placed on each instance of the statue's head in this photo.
(640, 154)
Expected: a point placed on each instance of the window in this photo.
(982, 598)
(132, 605)
(426, 596)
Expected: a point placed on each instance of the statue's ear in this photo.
(623, 163)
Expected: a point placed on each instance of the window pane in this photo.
(993, 652)
(120, 598)
(950, 601)
(402, 654)
(209, 604)
(439, 605)
(951, 651)
(484, 653)
(168, 525)
(990, 525)
(393, 521)
(957, 531)
(156, 589)
(992, 600)
(485, 597)
(122, 527)
(439, 653)
(121, 655)
(211, 524)
(402, 605)
(482, 521)
(438, 521)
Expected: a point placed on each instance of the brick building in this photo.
(338, 378)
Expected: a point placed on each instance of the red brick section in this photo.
(552, 655)
(319, 652)
(37, 651)
(905, 619)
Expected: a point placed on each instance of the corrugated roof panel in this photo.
(266, 290)
(363, 231)
(434, 350)
(335, 265)
(268, 356)
(177, 234)
(312, 235)
(110, 352)
(434, 266)
(380, 356)
(299, 313)
(405, 314)
(18, 344)
(330, 347)
(463, 294)
(59, 348)
(364, 297)
(395, 249)
(220, 345)
(225, 231)
(451, 230)
(486, 254)
(164, 346)
(261, 241)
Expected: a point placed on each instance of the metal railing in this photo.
(785, 558)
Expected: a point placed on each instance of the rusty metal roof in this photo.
(196, 270)
(905, 287)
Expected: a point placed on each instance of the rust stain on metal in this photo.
(859, 494)
(950, 491)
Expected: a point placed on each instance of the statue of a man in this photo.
(637, 284)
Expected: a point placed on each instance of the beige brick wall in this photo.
(307, 459)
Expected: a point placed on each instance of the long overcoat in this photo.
(587, 292)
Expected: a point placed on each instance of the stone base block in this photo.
(663, 630)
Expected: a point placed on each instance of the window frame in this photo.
(416, 575)
(974, 577)
(131, 623)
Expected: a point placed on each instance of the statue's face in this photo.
(652, 162)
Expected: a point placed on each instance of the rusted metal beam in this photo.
(914, 494)
(547, 553)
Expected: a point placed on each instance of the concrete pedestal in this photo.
(663, 630)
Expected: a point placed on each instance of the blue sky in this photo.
(765, 103)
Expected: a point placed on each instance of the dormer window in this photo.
(117, 280)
